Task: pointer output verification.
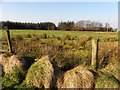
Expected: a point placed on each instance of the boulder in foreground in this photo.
(78, 77)
(40, 73)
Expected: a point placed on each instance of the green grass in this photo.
(59, 33)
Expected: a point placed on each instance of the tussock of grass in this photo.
(13, 63)
(78, 77)
(3, 59)
(40, 73)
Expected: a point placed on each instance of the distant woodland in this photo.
(65, 26)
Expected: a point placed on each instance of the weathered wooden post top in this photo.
(94, 61)
(8, 39)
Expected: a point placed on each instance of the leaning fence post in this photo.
(94, 61)
(8, 40)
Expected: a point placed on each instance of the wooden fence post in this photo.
(9, 42)
(94, 61)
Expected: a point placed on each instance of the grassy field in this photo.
(37, 43)
(61, 33)
(68, 49)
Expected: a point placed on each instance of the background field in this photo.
(67, 49)
(70, 46)
(61, 33)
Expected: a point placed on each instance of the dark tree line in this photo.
(36, 26)
(68, 26)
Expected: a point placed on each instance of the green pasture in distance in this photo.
(60, 33)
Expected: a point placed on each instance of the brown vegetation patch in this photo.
(12, 64)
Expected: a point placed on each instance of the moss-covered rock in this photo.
(10, 80)
(78, 77)
(12, 70)
(40, 73)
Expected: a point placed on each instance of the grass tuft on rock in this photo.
(78, 77)
(13, 63)
(40, 73)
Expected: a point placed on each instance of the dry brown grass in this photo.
(113, 66)
(3, 59)
(78, 77)
(11, 63)
(108, 52)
